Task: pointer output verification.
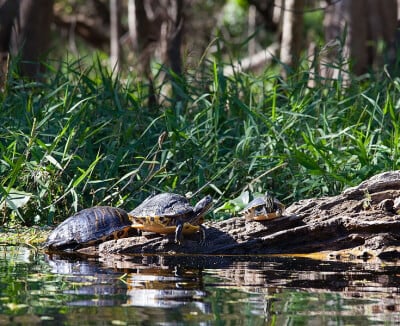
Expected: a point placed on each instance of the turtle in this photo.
(89, 227)
(263, 208)
(168, 213)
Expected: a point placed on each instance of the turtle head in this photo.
(269, 202)
(272, 204)
(203, 206)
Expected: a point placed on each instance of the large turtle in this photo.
(263, 208)
(167, 213)
(89, 227)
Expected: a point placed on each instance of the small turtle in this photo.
(89, 227)
(171, 213)
(263, 208)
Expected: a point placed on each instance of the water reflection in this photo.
(195, 289)
(139, 282)
(166, 288)
(312, 290)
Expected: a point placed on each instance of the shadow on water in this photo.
(195, 289)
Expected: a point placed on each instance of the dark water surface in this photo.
(194, 290)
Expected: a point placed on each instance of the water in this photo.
(194, 290)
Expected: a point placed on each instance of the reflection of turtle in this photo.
(171, 213)
(263, 208)
(88, 227)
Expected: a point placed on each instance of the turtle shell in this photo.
(263, 208)
(89, 227)
(163, 212)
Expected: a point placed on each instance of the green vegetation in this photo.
(84, 137)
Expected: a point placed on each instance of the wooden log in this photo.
(362, 222)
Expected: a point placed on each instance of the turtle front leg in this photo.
(202, 241)
(179, 233)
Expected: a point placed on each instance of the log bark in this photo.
(361, 222)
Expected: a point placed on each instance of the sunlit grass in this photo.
(85, 138)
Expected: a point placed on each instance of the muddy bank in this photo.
(361, 222)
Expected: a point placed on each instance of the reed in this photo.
(86, 137)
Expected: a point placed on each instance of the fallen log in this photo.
(361, 222)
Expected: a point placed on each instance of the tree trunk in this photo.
(292, 32)
(174, 35)
(8, 11)
(91, 22)
(30, 35)
(265, 8)
(115, 13)
(132, 24)
(158, 33)
(358, 26)
(159, 27)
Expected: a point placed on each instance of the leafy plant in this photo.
(86, 137)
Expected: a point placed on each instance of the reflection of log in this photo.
(172, 281)
(361, 221)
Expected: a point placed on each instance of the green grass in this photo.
(84, 137)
